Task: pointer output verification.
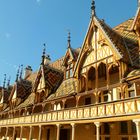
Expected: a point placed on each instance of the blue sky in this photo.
(25, 25)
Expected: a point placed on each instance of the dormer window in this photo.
(69, 71)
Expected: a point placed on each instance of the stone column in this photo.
(97, 124)
(21, 131)
(30, 134)
(40, 132)
(137, 122)
(58, 131)
(14, 130)
(73, 131)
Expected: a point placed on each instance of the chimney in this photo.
(47, 60)
(28, 71)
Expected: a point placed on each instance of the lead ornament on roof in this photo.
(93, 12)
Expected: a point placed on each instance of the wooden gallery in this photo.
(90, 93)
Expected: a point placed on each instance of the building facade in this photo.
(91, 93)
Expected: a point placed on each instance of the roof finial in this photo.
(93, 12)
(8, 82)
(69, 39)
(4, 82)
(17, 76)
(21, 71)
(138, 3)
(44, 53)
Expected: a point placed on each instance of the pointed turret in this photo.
(93, 12)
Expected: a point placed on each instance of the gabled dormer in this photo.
(20, 91)
(4, 95)
(105, 54)
(47, 81)
(136, 23)
(69, 60)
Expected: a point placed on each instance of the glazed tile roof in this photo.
(29, 101)
(131, 39)
(53, 77)
(6, 93)
(124, 40)
(67, 87)
(57, 64)
(23, 89)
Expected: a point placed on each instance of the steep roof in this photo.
(52, 77)
(130, 39)
(22, 88)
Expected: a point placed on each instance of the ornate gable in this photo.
(100, 42)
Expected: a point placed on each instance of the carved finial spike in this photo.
(17, 76)
(69, 39)
(4, 82)
(44, 53)
(21, 72)
(8, 82)
(93, 12)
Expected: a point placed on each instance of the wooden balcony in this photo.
(127, 107)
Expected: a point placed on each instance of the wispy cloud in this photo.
(38, 1)
(7, 35)
(9, 64)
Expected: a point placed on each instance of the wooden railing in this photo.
(111, 109)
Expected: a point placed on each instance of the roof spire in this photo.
(4, 82)
(8, 82)
(44, 54)
(17, 76)
(93, 12)
(69, 40)
(21, 71)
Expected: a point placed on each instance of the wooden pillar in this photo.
(30, 133)
(58, 132)
(97, 124)
(73, 131)
(21, 131)
(40, 132)
(77, 100)
(14, 130)
(107, 73)
(137, 122)
(64, 101)
(6, 133)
